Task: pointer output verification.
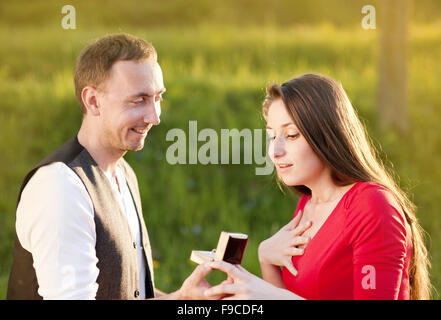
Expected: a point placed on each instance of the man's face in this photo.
(129, 104)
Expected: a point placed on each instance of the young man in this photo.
(80, 232)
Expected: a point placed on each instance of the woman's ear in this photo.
(89, 95)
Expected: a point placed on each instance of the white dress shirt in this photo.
(55, 222)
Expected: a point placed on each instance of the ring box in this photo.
(230, 248)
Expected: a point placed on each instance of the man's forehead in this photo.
(136, 76)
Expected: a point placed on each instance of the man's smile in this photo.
(140, 131)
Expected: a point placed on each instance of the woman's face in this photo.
(295, 161)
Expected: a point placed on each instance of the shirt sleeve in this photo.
(55, 222)
(377, 235)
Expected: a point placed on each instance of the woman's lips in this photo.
(283, 166)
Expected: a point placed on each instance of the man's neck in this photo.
(105, 158)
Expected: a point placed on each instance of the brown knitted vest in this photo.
(115, 246)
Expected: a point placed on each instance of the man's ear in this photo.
(89, 95)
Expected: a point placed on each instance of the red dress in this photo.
(362, 251)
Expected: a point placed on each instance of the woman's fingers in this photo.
(294, 251)
(227, 287)
(227, 281)
(294, 222)
(234, 297)
(238, 266)
(222, 289)
(298, 231)
(226, 267)
(290, 266)
(299, 240)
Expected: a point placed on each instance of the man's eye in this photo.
(138, 101)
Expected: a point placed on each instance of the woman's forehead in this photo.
(278, 116)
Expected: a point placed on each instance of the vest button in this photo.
(134, 244)
(136, 293)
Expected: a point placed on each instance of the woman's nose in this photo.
(279, 148)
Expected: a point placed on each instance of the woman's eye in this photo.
(293, 136)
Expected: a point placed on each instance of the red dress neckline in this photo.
(339, 203)
(364, 230)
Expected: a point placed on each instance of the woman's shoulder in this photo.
(372, 212)
(372, 201)
(369, 194)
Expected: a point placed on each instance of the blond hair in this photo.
(96, 60)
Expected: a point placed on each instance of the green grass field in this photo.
(217, 76)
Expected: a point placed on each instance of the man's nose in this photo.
(152, 114)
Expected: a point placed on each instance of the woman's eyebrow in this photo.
(283, 125)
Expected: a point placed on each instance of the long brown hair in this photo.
(321, 110)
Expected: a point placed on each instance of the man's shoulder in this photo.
(57, 171)
(54, 199)
(68, 151)
(55, 178)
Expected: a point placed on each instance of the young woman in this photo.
(354, 234)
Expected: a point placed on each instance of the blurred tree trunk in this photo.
(392, 91)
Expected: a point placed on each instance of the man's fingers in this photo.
(204, 268)
(201, 270)
(228, 280)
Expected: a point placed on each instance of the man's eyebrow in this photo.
(283, 125)
(146, 94)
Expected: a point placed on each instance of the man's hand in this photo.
(195, 285)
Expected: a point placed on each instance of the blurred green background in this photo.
(217, 58)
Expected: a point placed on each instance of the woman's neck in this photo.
(324, 190)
